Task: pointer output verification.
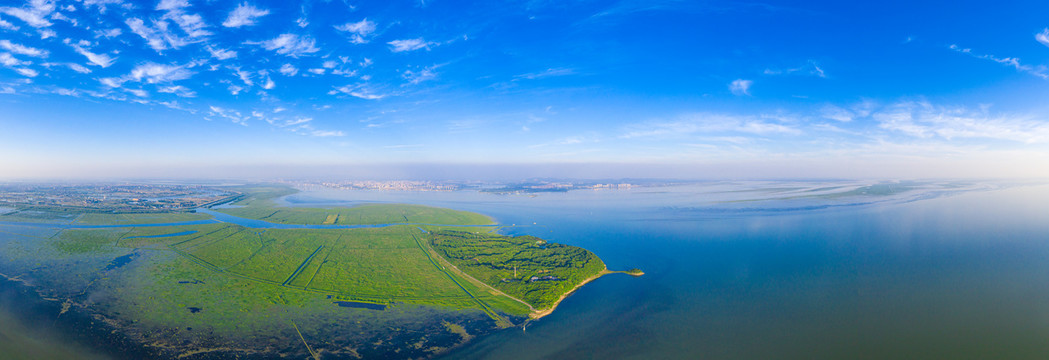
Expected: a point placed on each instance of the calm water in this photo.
(762, 270)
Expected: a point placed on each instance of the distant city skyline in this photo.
(501, 90)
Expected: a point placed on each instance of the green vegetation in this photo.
(258, 203)
(240, 283)
(526, 267)
(138, 218)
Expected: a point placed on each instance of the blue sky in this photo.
(578, 88)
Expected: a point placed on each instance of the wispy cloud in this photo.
(290, 44)
(34, 13)
(922, 119)
(1043, 37)
(810, 68)
(244, 15)
(158, 36)
(191, 24)
(103, 4)
(79, 68)
(229, 114)
(359, 30)
(108, 33)
(326, 133)
(178, 90)
(22, 50)
(740, 87)
(409, 45)
(551, 72)
(102, 60)
(1039, 71)
(221, 54)
(7, 25)
(159, 73)
(415, 77)
(712, 124)
(859, 110)
(8, 60)
(288, 70)
(27, 72)
(359, 91)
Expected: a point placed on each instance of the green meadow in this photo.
(240, 282)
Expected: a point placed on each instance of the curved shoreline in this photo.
(544, 312)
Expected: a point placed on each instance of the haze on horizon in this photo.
(588, 89)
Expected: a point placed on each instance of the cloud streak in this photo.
(740, 87)
(244, 15)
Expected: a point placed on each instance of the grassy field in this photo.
(258, 203)
(447, 266)
(375, 265)
(525, 267)
(141, 218)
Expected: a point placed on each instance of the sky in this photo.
(588, 89)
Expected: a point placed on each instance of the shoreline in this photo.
(535, 315)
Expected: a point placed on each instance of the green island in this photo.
(159, 275)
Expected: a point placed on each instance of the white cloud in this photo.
(740, 87)
(358, 91)
(318, 71)
(810, 68)
(158, 37)
(232, 115)
(23, 50)
(1040, 71)
(191, 24)
(102, 4)
(713, 124)
(178, 90)
(46, 33)
(221, 54)
(269, 84)
(838, 114)
(302, 22)
(329, 64)
(359, 29)
(34, 13)
(172, 4)
(327, 133)
(112, 82)
(297, 121)
(26, 72)
(290, 44)
(159, 73)
(409, 45)
(289, 70)
(245, 77)
(7, 25)
(138, 92)
(415, 77)
(59, 16)
(108, 34)
(924, 120)
(244, 15)
(1043, 37)
(551, 72)
(7, 60)
(102, 60)
(79, 68)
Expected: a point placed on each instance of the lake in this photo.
(807, 270)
